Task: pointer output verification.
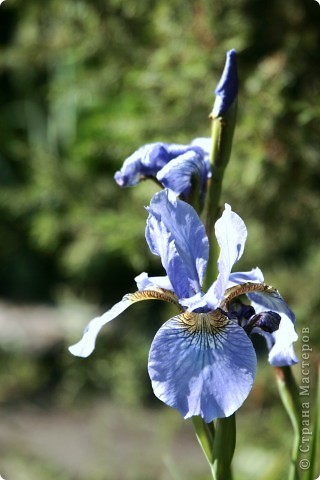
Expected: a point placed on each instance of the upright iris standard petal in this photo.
(175, 233)
(144, 282)
(231, 235)
(227, 88)
(202, 371)
(255, 276)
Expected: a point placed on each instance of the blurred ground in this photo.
(103, 441)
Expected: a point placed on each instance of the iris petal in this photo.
(144, 282)
(202, 372)
(177, 174)
(280, 342)
(231, 234)
(175, 233)
(146, 161)
(203, 142)
(255, 276)
(86, 345)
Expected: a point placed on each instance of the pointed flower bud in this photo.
(227, 88)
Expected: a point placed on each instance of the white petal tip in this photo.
(80, 350)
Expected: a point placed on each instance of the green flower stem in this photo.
(224, 446)
(289, 394)
(222, 130)
(314, 456)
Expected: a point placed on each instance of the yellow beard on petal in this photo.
(243, 289)
(155, 294)
(208, 323)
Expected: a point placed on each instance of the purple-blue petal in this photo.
(144, 162)
(148, 160)
(263, 322)
(202, 373)
(177, 174)
(175, 233)
(227, 88)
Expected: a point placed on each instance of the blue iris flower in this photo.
(202, 361)
(172, 165)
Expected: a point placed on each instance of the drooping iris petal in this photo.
(175, 233)
(231, 234)
(227, 88)
(149, 160)
(145, 162)
(282, 353)
(86, 345)
(202, 372)
(177, 174)
(280, 343)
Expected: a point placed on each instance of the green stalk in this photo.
(224, 447)
(222, 130)
(314, 456)
(289, 394)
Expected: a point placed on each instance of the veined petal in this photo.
(231, 234)
(86, 345)
(175, 233)
(280, 343)
(177, 174)
(202, 364)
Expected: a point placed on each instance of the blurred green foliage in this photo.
(82, 85)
